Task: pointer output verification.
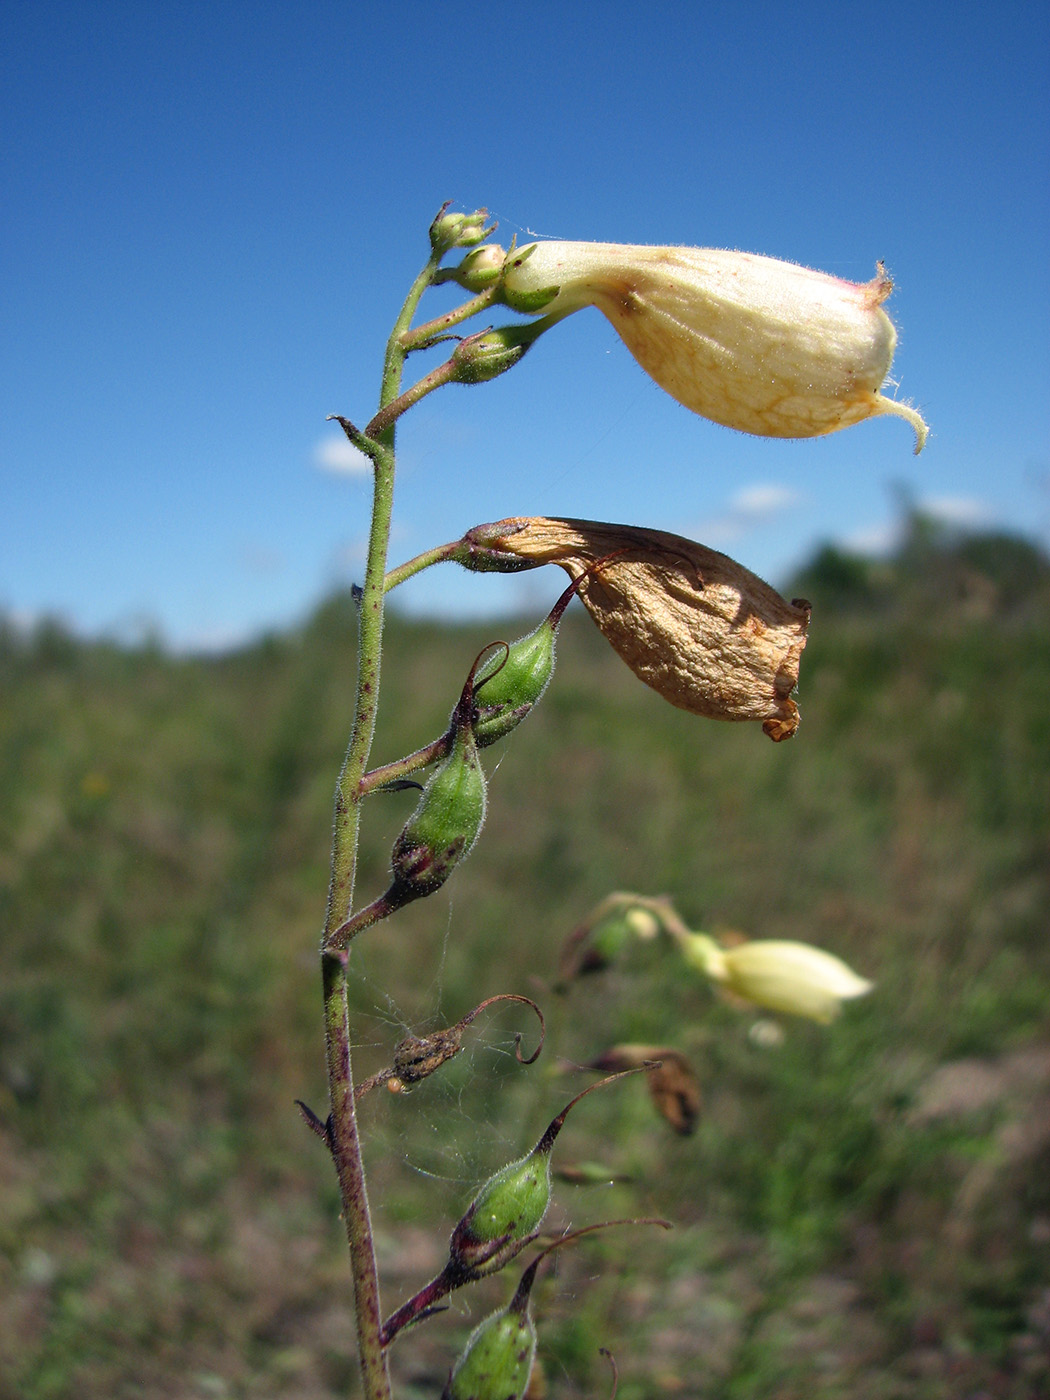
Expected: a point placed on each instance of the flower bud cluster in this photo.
(458, 230)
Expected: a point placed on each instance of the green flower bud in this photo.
(497, 1359)
(479, 358)
(524, 294)
(514, 683)
(449, 815)
(458, 230)
(479, 269)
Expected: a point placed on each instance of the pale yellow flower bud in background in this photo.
(642, 924)
(778, 974)
(753, 343)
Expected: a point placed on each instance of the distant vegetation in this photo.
(862, 1212)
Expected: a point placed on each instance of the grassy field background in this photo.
(863, 1211)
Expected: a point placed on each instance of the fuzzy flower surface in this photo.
(780, 975)
(765, 346)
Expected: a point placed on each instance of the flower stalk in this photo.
(345, 1139)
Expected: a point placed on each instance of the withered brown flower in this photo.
(673, 1084)
(699, 628)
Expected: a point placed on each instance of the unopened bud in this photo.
(479, 269)
(485, 356)
(504, 1216)
(498, 1358)
(457, 230)
(642, 924)
(508, 1210)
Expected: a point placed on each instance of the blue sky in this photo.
(212, 212)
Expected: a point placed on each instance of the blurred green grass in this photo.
(863, 1211)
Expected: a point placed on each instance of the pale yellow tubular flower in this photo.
(779, 975)
(751, 342)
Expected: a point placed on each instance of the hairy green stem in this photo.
(431, 331)
(345, 1140)
(438, 555)
(390, 412)
(411, 763)
(342, 936)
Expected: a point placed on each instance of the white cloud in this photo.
(759, 502)
(749, 507)
(873, 540)
(962, 512)
(337, 455)
(968, 512)
(22, 619)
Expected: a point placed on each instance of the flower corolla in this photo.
(751, 342)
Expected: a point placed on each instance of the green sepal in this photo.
(528, 303)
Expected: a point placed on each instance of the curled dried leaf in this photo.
(416, 1058)
(703, 631)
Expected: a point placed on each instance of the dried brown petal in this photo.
(673, 1085)
(699, 628)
